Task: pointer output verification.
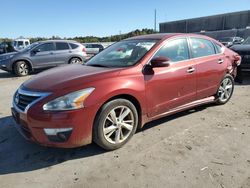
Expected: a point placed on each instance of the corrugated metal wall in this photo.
(236, 20)
(243, 33)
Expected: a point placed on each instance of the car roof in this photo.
(163, 36)
(71, 41)
(21, 40)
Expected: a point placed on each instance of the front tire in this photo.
(21, 68)
(225, 90)
(115, 124)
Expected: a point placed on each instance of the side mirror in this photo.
(160, 62)
(36, 51)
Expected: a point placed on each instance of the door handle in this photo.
(190, 70)
(220, 61)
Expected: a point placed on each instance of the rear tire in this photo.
(21, 68)
(75, 60)
(225, 90)
(115, 124)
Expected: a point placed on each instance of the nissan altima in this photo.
(130, 83)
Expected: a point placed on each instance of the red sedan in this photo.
(132, 82)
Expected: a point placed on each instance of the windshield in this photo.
(122, 54)
(226, 39)
(30, 46)
(247, 41)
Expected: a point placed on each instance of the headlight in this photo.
(7, 57)
(70, 101)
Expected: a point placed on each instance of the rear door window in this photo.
(175, 50)
(202, 47)
(62, 46)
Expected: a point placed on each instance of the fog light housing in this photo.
(58, 135)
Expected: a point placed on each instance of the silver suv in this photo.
(43, 55)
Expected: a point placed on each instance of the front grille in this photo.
(25, 100)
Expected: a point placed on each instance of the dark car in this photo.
(42, 55)
(6, 47)
(244, 51)
(132, 82)
(230, 41)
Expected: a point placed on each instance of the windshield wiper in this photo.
(97, 65)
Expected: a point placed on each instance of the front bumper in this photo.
(5, 65)
(32, 124)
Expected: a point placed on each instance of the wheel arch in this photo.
(27, 61)
(131, 99)
(74, 56)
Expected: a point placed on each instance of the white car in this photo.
(20, 44)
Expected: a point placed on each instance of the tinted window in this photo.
(62, 46)
(201, 47)
(88, 46)
(19, 43)
(247, 41)
(73, 46)
(97, 46)
(46, 47)
(26, 43)
(175, 50)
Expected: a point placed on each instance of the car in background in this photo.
(119, 90)
(43, 55)
(20, 44)
(6, 47)
(93, 48)
(244, 50)
(230, 41)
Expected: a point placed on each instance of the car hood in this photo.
(68, 76)
(241, 49)
(4, 56)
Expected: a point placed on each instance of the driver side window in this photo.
(175, 50)
(46, 47)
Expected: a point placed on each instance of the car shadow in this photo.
(6, 75)
(18, 155)
(174, 116)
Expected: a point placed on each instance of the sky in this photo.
(70, 18)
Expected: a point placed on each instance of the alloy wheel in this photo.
(75, 61)
(118, 124)
(225, 90)
(23, 69)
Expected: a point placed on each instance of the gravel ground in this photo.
(205, 147)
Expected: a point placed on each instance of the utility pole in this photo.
(155, 19)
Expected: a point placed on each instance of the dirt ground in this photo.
(205, 147)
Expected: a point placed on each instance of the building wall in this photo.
(236, 20)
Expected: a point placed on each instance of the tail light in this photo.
(237, 59)
(84, 49)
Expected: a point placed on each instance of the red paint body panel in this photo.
(168, 90)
